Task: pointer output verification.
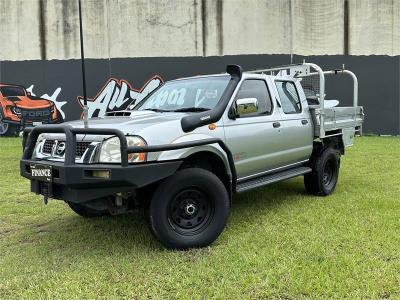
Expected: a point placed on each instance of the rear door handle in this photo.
(276, 124)
(304, 122)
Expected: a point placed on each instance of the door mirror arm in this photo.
(232, 112)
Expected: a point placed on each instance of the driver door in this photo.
(255, 141)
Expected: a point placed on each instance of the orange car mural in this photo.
(18, 108)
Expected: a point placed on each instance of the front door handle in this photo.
(304, 122)
(276, 124)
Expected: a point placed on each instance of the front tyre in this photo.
(325, 172)
(87, 212)
(189, 209)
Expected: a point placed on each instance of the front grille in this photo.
(48, 146)
(79, 150)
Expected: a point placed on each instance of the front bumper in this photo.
(75, 183)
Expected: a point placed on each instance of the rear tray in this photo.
(336, 118)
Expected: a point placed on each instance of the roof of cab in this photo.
(244, 75)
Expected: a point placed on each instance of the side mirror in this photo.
(246, 106)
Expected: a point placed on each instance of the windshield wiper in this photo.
(191, 109)
(157, 109)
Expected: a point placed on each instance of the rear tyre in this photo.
(87, 212)
(189, 209)
(325, 172)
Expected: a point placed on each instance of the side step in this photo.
(271, 178)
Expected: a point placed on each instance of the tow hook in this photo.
(118, 204)
(118, 200)
(46, 192)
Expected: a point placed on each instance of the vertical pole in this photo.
(42, 28)
(291, 15)
(220, 26)
(346, 27)
(85, 108)
(204, 24)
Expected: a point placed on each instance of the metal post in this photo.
(352, 75)
(321, 97)
(85, 107)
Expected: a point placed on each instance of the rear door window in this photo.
(290, 99)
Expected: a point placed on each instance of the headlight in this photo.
(110, 151)
(16, 110)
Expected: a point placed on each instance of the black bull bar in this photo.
(31, 135)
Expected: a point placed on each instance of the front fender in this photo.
(183, 153)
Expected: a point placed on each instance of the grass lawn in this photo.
(279, 242)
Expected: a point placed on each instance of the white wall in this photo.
(49, 29)
(375, 27)
(19, 29)
(256, 27)
(318, 27)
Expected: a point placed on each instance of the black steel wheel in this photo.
(328, 176)
(189, 209)
(325, 172)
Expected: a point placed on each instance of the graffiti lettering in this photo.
(119, 95)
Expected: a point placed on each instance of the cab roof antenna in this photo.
(85, 107)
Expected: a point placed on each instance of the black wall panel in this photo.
(379, 78)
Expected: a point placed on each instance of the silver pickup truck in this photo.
(185, 149)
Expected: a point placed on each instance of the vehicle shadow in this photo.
(271, 196)
(73, 236)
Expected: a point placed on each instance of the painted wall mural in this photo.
(52, 98)
(118, 94)
(50, 91)
(20, 107)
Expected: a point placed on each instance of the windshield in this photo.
(10, 91)
(194, 94)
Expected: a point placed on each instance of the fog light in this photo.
(101, 174)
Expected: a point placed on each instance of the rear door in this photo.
(297, 129)
(253, 140)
